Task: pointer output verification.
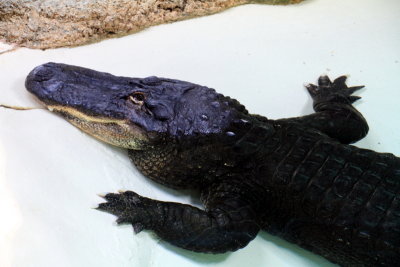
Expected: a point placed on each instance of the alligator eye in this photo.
(137, 98)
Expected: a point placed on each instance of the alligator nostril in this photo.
(41, 80)
(41, 73)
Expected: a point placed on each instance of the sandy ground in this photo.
(50, 172)
(64, 23)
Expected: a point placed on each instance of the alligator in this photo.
(297, 178)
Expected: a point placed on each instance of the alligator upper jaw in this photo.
(61, 84)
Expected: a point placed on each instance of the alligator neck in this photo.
(197, 161)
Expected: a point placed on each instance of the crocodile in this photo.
(297, 178)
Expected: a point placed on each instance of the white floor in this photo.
(50, 172)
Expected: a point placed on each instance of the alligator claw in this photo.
(312, 89)
(113, 197)
(341, 80)
(336, 91)
(129, 207)
(101, 195)
(324, 80)
(138, 227)
(354, 98)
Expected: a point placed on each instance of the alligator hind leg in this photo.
(335, 114)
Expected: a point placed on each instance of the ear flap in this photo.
(159, 110)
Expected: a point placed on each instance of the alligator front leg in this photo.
(227, 224)
(335, 115)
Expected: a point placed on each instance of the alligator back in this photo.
(337, 200)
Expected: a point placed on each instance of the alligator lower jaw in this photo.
(117, 132)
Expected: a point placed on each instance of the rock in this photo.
(58, 23)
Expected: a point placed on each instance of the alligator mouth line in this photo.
(117, 132)
(71, 112)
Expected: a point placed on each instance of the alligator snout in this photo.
(42, 73)
(42, 81)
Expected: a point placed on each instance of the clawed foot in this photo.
(129, 207)
(336, 91)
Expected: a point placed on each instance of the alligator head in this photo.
(133, 113)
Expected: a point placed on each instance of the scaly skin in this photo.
(297, 178)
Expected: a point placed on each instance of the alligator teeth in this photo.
(50, 108)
